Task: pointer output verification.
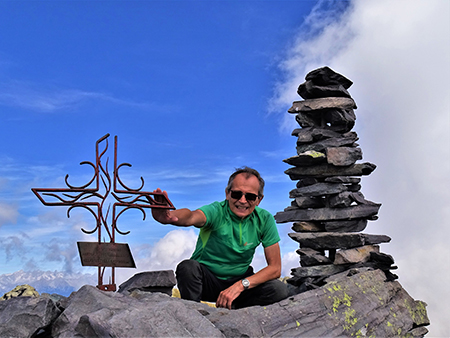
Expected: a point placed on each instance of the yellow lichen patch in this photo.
(350, 319)
(342, 308)
(314, 154)
(176, 294)
(418, 313)
(24, 290)
(334, 287)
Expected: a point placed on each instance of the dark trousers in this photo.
(196, 282)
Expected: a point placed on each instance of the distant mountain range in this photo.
(58, 282)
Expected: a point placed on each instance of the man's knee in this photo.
(276, 289)
(189, 279)
(188, 268)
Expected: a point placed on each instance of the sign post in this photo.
(92, 196)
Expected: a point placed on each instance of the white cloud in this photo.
(175, 246)
(172, 248)
(396, 53)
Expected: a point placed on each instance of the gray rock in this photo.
(311, 257)
(309, 134)
(318, 105)
(318, 189)
(343, 156)
(321, 146)
(327, 240)
(318, 270)
(309, 90)
(355, 255)
(308, 227)
(328, 214)
(150, 281)
(308, 202)
(381, 258)
(306, 181)
(326, 170)
(307, 158)
(325, 76)
(346, 198)
(342, 179)
(92, 312)
(339, 120)
(377, 309)
(341, 200)
(24, 316)
(355, 225)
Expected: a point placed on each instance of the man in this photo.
(219, 269)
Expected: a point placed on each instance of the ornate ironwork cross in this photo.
(93, 195)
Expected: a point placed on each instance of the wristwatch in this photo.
(245, 283)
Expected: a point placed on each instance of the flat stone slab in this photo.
(318, 189)
(308, 158)
(313, 105)
(355, 255)
(355, 225)
(150, 281)
(318, 270)
(326, 170)
(310, 134)
(347, 139)
(327, 241)
(328, 214)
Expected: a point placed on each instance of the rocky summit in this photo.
(355, 303)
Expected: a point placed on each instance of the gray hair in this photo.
(248, 172)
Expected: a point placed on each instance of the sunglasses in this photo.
(237, 195)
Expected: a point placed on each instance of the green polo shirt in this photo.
(226, 243)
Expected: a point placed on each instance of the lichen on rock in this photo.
(24, 290)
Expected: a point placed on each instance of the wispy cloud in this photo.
(8, 214)
(49, 99)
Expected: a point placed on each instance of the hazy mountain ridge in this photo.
(62, 283)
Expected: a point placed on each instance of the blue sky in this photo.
(194, 89)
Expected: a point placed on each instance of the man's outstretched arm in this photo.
(180, 217)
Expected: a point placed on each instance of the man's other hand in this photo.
(227, 296)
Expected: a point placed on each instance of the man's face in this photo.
(242, 207)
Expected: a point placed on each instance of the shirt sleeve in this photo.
(211, 212)
(270, 234)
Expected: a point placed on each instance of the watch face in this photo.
(245, 283)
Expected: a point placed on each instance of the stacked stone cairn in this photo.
(328, 210)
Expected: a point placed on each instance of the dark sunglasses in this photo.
(236, 194)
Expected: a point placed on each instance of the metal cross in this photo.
(92, 196)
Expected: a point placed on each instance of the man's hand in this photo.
(181, 217)
(227, 296)
(163, 216)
